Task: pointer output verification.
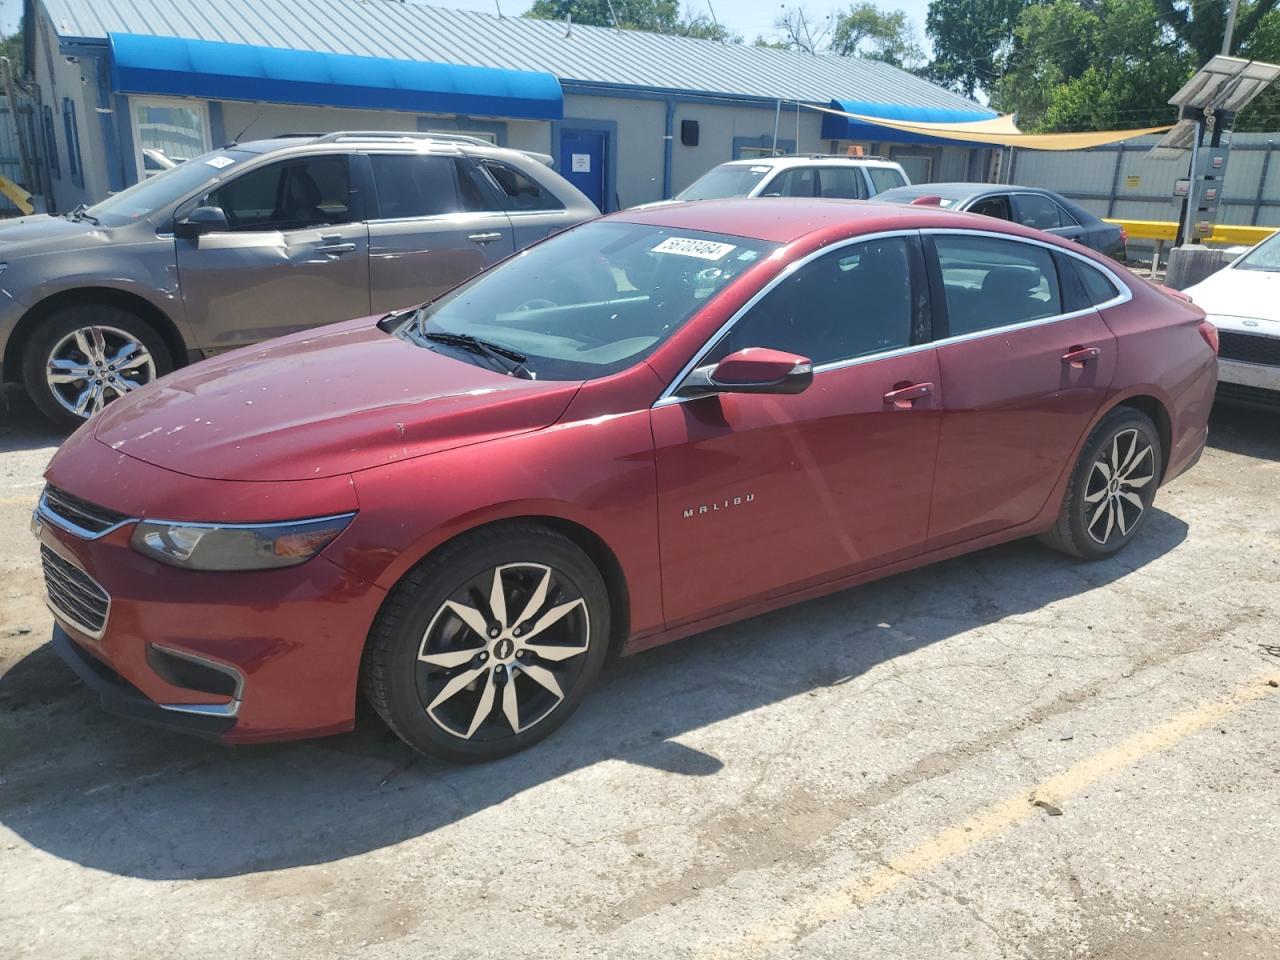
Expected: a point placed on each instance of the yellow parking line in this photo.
(957, 840)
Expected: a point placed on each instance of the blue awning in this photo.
(846, 128)
(173, 66)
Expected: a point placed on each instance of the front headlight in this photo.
(234, 546)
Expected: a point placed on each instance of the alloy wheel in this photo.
(1113, 496)
(503, 651)
(91, 366)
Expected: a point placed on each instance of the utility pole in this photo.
(1231, 27)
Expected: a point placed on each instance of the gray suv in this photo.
(253, 241)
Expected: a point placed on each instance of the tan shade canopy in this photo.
(1001, 131)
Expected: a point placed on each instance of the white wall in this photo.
(641, 124)
(718, 125)
(58, 78)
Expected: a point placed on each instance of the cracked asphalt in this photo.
(1011, 754)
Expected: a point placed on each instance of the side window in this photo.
(477, 192)
(851, 302)
(997, 206)
(1068, 218)
(1098, 288)
(796, 182)
(842, 183)
(992, 283)
(292, 195)
(885, 178)
(412, 185)
(519, 191)
(1036, 211)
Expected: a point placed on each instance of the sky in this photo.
(747, 17)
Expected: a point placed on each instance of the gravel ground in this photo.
(1006, 755)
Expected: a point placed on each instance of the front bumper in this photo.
(1255, 375)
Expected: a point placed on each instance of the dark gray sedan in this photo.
(1029, 206)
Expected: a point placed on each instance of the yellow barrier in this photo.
(1166, 231)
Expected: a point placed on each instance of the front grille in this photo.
(1242, 393)
(1249, 348)
(73, 594)
(79, 514)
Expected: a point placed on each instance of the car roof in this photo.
(960, 191)
(784, 219)
(810, 160)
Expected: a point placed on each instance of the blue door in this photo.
(582, 160)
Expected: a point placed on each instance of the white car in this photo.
(1243, 302)
(814, 175)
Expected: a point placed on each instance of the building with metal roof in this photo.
(128, 85)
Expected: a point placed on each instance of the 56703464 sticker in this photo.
(692, 247)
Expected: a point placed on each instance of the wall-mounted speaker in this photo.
(689, 132)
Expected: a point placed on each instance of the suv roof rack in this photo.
(340, 135)
(835, 156)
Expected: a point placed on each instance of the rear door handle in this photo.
(335, 248)
(484, 237)
(1078, 356)
(904, 397)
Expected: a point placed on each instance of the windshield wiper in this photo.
(508, 359)
(82, 213)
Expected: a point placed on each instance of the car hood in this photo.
(1239, 293)
(325, 402)
(24, 236)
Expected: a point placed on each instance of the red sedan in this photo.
(653, 424)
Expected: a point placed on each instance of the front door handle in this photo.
(484, 237)
(336, 249)
(1078, 356)
(904, 396)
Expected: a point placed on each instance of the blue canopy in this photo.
(234, 71)
(846, 128)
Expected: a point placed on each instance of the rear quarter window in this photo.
(885, 178)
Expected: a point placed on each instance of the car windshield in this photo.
(728, 180)
(1265, 256)
(147, 196)
(588, 302)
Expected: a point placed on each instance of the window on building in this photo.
(292, 195)
(993, 283)
(918, 166)
(72, 134)
(851, 302)
(518, 191)
(51, 143)
(167, 133)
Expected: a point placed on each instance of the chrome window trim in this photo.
(45, 512)
(64, 615)
(668, 397)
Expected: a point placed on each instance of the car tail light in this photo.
(1210, 334)
(929, 200)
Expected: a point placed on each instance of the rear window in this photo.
(519, 191)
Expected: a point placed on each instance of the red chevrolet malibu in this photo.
(653, 424)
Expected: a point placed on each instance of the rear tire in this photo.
(82, 357)
(1111, 488)
(489, 644)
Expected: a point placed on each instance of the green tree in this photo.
(971, 40)
(655, 16)
(864, 30)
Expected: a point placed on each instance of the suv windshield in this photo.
(727, 180)
(588, 302)
(1265, 256)
(147, 196)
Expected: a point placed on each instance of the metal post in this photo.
(1188, 235)
(777, 115)
(1262, 182)
(1115, 181)
(797, 126)
(1231, 27)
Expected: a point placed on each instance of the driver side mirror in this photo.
(752, 370)
(200, 221)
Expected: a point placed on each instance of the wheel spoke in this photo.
(485, 705)
(472, 617)
(537, 600)
(1120, 520)
(510, 706)
(1134, 499)
(1102, 468)
(1111, 520)
(449, 658)
(544, 677)
(454, 685)
(86, 347)
(1095, 497)
(99, 343)
(1137, 461)
(122, 386)
(498, 599)
(1115, 453)
(1138, 483)
(553, 616)
(555, 653)
(85, 399)
(1097, 514)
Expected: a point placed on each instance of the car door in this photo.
(792, 182)
(841, 183)
(1039, 212)
(434, 226)
(1023, 374)
(763, 494)
(295, 254)
(533, 208)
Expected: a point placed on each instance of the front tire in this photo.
(488, 645)
(1111, 488)
(82, 357)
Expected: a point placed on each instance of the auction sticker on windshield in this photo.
(690, 247)
(220, 162)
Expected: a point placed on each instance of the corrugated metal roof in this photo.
(384, 28)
